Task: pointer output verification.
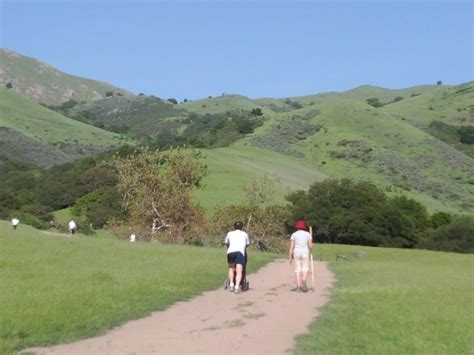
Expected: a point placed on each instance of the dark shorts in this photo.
(236, 258)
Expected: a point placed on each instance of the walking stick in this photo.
(311, 258)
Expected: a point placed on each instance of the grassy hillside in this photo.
(232, 167)
(440, 113)
(220, 104)
(140, 115)
(34, 133)
(43, 83)
(348, 138)
(57, 289)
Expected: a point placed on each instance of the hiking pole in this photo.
(311, 257)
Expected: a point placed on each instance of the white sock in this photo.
(237, 287)
(231, 284)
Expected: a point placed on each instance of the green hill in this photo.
(140, 115)
(42, 83)
(33, 133)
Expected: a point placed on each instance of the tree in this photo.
(457, 236)
(173, 100)
(9, 85)
(439, 82)
(466, 134)
(185, 100)
(109, 94)
(256, 112)
(347, 212)
(156, 187)
(373, 101)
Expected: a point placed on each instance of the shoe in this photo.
(296, 289)
(304, 288)
(231, 288)
(237, 291)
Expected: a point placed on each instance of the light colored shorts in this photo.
(301, 262)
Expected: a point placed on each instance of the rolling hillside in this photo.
(42, 83)
(33, 133)
(294, 140)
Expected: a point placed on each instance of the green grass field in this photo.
(395, 302)
(55, 289)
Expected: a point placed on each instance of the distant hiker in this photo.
(132, 238)
(72, 227)
(236, 242)
(15, 223)
(300, 246)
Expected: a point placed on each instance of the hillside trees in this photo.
(156, 186)
(348, 212)
(266, 224)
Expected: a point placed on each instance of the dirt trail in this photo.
(264, 320)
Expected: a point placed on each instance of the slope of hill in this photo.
(43, 83)
(220, 104)
(33, 133)
(140, 115)
(348, 138)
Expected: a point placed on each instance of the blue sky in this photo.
(193, 49)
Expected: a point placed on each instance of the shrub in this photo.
(173, 100)
(466, 134)
(109, 94)
(9, 85)
(373, 101)
(457, 236)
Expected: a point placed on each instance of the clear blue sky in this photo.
(192, 49)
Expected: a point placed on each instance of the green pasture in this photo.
(395, 301)
(56, 289)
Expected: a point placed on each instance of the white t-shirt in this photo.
(237, 240)
(132, 238)
(301, 238)
(72, 225)
(15, 221)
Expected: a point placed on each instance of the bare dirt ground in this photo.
(264, 320)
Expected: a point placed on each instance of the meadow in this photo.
(395, 301)
(56, 289)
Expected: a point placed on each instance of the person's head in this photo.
(300, 225)
(238, 225)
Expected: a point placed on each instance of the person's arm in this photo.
(310, 243)
(291, 250)
(226, 241)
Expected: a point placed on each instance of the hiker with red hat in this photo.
(300, 246)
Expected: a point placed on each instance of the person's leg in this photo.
(238, 277)
(297, 261)
(231, 275)
(304, 271)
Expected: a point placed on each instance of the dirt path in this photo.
(264, 320)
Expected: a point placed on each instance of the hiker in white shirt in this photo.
(15, 223)
(236, 241)
(72, 226)
(300, 247)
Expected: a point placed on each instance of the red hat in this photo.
(300, 224)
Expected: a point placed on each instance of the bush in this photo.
(466, 134)
(31, 220)
(373, 101)
(440, 219)
(109, 94)
(9, 85)
(173, 101)
(347, 212)
(457, 236)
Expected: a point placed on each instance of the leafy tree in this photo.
(440, 219)
(439, 82)
(457, 236)
(109, 94)
(398, 98)
(373, 101)
(9, 85)
(466, 134)
(173, 101)
(141, 94)
(256, 112)
(347, 212)
(156, 187)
